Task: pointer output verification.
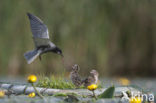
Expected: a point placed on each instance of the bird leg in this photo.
(40, 57)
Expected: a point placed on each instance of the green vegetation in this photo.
(61, 83)
(57, 83)
(65, 94)
(60, 95)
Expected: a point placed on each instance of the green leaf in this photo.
(108, 93)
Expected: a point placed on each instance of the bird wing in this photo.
(38, 28)
(43, 42)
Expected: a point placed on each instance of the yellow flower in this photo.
(135, 100)
(32, 95)
(92, 87)
(2, 94)
(32, 78)
(124, 81)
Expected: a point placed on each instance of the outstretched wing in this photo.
(38, 28)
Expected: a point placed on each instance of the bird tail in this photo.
(30, 56)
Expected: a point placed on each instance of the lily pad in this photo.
(108, 93)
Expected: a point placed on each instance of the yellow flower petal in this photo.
(92, 87)
(32, 95)
(135, 100)
(32, 78)
(2, 94)
(124, 81)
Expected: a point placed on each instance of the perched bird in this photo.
(75, 77)
(41, 40)
(91, 79)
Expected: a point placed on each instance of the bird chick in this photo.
(75, 77)
(91, 79)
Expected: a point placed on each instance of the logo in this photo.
(135, 95)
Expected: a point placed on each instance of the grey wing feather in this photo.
(38, 28)
(31, 55)
(43, 42)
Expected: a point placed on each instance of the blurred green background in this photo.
(117, 38)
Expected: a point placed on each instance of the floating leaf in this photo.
(108, 93)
